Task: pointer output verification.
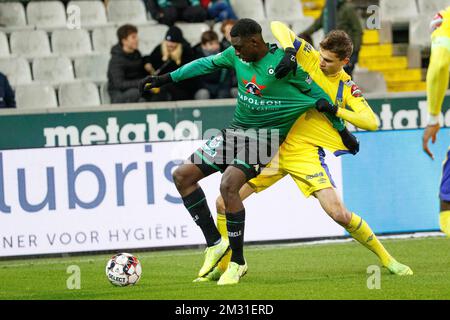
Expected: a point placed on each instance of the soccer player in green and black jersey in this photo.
(266, 109)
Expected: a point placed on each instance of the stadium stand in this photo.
(253, 9)
(37, 32)
(30, 43)
(53, 70)
(127, 11)
(103, 38)
(92, 67)
(104, 95)
(17, 70)
(192, 31)
(4, 46)
(92, 13)
(431, 7)
(47, 15)
(149, 37)
(12, 16)
(78, 94)
(26, 96)
(71, 42)
(398, 11)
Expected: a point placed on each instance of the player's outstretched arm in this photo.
(193, 69)
(360, 113)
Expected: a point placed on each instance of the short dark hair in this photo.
(124, 31)
(245, 28)
(338, 42)
(209, 36)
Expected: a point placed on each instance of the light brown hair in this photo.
(338, 42)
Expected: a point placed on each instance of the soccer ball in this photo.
(123, 269)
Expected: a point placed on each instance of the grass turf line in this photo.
(322, 271)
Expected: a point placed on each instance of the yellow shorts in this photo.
(303, 162)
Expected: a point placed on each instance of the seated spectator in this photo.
(169, 11)
(225, 29)
(126, 67)
(171, 54)
(7, 98)
(216, 85)
(219, 10)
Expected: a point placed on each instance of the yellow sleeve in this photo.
(360, 115)
(437, 79)
(307, 56)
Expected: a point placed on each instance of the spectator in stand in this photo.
(126, 67)
(225, 29)
(219, 10)
(169, 11)
(216, 85)
(171, 54)
(7, 98)
(348, 21)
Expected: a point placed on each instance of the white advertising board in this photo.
(107, 197)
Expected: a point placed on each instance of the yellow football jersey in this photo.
(313, 127)
(440, 24)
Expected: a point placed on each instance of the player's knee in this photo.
(181, 177)
(340, 214)
(228, 188)
(220, 205)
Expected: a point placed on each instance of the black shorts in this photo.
(234, 148)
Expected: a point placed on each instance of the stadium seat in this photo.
(35, 96)
(317, 37)
(253, 9)
(216, 28)
(4, 47)
(150, 36)
(192, 31)
(53, 70)
(398, 11)
(30, 43)
(92, 67)
(71, 42)
(284, 10)
(78, 94)
(419, 31)
(17, 70)
(46, 14)
(12, 15)
(370, 81)
(93, 13)
(300, 25)
(127, 11)
(103, 39)
(104, 94)
(431, 7)
(267, 32)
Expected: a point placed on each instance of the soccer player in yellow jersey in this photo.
(302, 154)
(437, 84)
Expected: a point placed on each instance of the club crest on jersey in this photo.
(308, 79)
(252, 87)
(354, 89)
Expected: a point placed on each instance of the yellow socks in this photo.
(362, 233)
(222, 227)
(444, 222)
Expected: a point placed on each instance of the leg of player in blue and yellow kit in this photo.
(437, 84)
(306, 163)
(444, 195)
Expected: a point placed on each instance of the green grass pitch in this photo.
(316, 271)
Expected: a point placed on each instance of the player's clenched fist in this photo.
(322, 105)
(287, 64)
(150, 82)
